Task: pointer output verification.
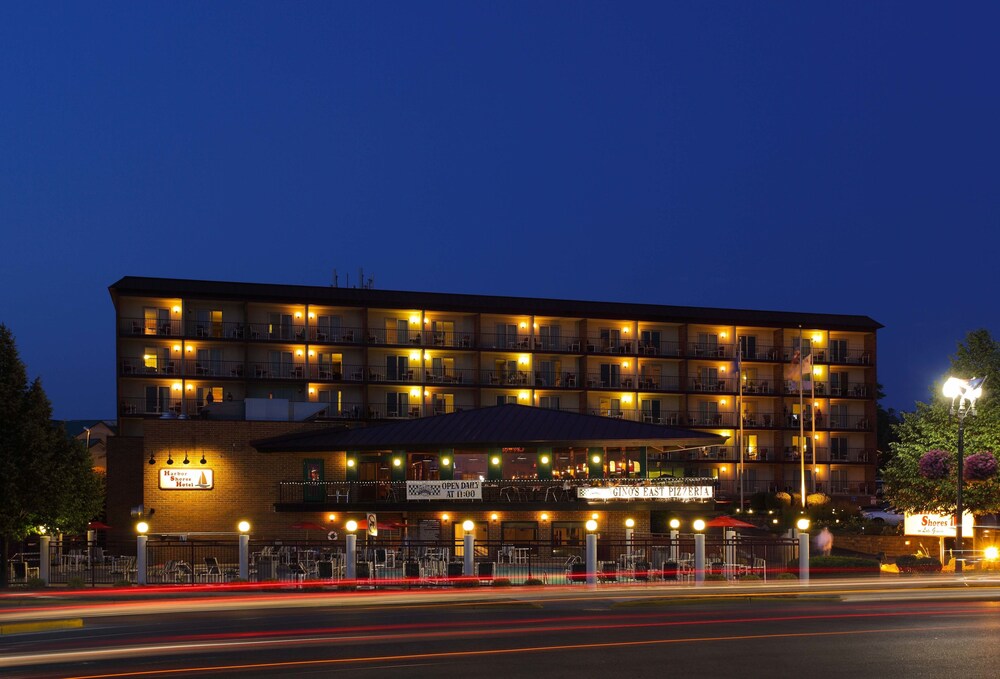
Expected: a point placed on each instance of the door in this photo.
(314, 487)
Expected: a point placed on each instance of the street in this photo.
(831, 630)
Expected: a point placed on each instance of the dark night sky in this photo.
(827, 157)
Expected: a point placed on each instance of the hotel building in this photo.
(205, 369)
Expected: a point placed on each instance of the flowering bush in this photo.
(980, 467)
(935, 464)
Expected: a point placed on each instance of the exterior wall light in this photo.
(544, 517)
(243, 526)
(630, 523)
(591, 526)
(445, 461)
(351, 526)
(494, 516)
(468, 526)
(495, 460)
(142, 528)
(675, 523)
(802, 524)
(545, 459)
(396, 462)
(699, 525)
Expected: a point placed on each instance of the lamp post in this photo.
(965, 393)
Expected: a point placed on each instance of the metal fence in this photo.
(396, 562)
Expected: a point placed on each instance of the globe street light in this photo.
(963, 395)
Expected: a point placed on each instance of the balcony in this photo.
(596, 344)
(708, 350)
(665, 348)
(724, 385)
(761, 352)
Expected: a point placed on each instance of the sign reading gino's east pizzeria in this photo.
(628, 492)
(186, 479)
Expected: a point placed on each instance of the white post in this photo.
(469, 552)
(140, 559)
(91, 543)
(730, 548)
(592, 559)
(675, 550)
(351, 559)
(804, 558)
(44, 557)
(629, 532)
(699, 558)
(244, 557)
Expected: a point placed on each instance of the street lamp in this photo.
(963, 395)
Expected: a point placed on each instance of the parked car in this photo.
(883, 514)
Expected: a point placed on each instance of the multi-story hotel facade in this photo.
(213, 366)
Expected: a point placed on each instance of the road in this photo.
(825, 630)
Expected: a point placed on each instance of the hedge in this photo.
(838, 567)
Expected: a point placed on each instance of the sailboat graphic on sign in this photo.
(203, 481)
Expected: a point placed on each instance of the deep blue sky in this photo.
(828, 157)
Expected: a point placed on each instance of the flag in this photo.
(807, 365)
(793, 371)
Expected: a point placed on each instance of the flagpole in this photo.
(739, 409)
(802, 424)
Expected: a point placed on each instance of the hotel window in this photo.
(549, 337)
(550, 402)
(397, 404)
(506, 337)
(708, 344)
(279, 326)
(806, 345)
(156, 321)
(157, 399)
(206, 395)
(838, 351)
(651, 411)
(839, 416)
(504, 399)
(281, 363)
(443, 403)
(548, 374)
(838, 480)
(838, 449)
(650, 341)
(397, 369)
(609, 338)
(397, 331)
(838, 383)
(610, 407)
(154, 358)
(748, 346)
(708, 379)
(442, 367)
(209, 362)
(329, 366)
(209, 323)
(567, 533)
(611, 374)
(328, 328)
(444, 333)
(709, 413)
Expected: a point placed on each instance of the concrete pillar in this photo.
(91, 543)
(244, 557)
(140, 559)
(351, 559)
(730, 548)
(629, 532)
(469, 550)
(44, 557)
(699, 558)
(675, 547)
(592, 559)
(804, 558)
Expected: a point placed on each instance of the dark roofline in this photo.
(478, 429)
(466, 303)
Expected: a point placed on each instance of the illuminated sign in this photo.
(624, 492)
(936, 525)
(444, 490)
(186, 479)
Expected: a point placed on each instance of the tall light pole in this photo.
(963, 395)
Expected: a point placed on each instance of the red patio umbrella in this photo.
(728, 522)
(97, 525)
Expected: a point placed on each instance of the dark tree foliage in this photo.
(46, 478)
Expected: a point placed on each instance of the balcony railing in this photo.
(708, 350)
(761, 352)
(595, 344)
(668, 348)
(720, 385)
(839, 357)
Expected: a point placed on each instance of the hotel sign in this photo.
(675, 493)
(186, 479)
(936, 525)
(444, 490)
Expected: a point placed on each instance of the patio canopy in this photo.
(497, 426)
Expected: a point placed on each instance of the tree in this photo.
(46, 478)
(931, 426)
(886, 420)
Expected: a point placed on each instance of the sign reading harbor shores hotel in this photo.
(670, 492)
(186, 479)
(444, 490)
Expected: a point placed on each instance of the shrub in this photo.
(784, 498)
(122, 583)
(911, 563)
(980, 467)
(749, 577)
(466, 583)
(838, 567)
(787, 576)
(817, 499)
(35, 583)
(502, 582)
(76, 583)
(715, 577)
(533, 582)
(935, 464)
